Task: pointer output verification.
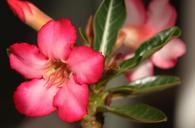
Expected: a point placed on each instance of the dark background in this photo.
(13, 30)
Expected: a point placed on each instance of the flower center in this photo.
(135, 36)
(56, 73)
(131, 36)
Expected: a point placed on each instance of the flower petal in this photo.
(72, 101)
(168, 55)
(86, 64)
(135, 9)
(56, 38)
(27, 60)
(34, 98)
(143, 70)
(161, 15)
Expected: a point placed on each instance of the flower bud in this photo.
(28, 13)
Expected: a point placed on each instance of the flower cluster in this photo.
(141, 25)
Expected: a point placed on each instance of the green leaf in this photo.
(139, 113)
(150, 47)
(108, 20)
(146, 85)
(83, 36)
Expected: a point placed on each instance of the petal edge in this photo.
(27, 60)
(86, 64)
(33, 98)
(72, 101)
(56, 38)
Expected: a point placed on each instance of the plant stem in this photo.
(95, 118)
(93, 121)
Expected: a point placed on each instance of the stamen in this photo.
(56, 73)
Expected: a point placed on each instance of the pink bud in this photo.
(28, 13)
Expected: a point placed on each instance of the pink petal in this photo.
(161, 15)
(143, 70)
(86, 64)
(34, 98)
(27, 60)
(135, 12)
(56, 38)
(72, 101)
(168, 55)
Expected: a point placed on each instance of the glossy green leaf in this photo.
(139, 113)
(146, 85)
(150, 47)
(108, 20)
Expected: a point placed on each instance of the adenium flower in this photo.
(142, 24)
(28, 13)
(59, 73)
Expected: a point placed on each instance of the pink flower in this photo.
(60, 73)
(143, 70)
(28, 13)
(142, 24)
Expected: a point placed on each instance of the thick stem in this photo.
(95, 121)
(95, 118)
